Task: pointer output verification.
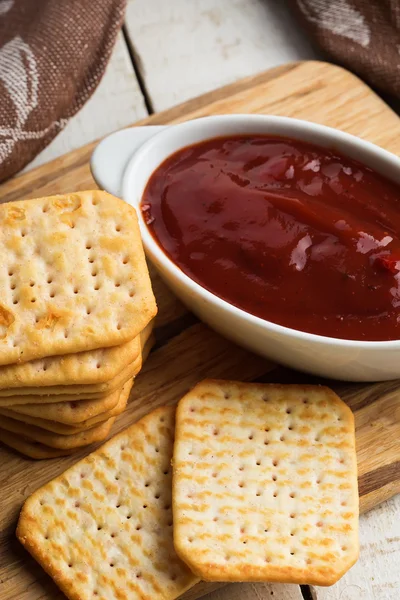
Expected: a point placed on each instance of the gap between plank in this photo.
(137, 67)
(307, 592)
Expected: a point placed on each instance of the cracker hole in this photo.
(258, 463)
(98, 365)
(319, 524)
(157, 449)
(13, 286)
(341, 461)
(275, 462)
(292, 495)
(119, 326)
(174, 577)
(91, 260)
(31, 283)
(70, 565)
(111, 564)
(23, 233)
(309, 561)
(144, 505)
(258, 494)
(282, 438)
(131, 294)
(288, 411)
(66, 334)
(227, 396)
(265, 530)
(83, 475)
(118, 506)
(264, 397)
(49, 280)
(170, 523)
(275, 494)
(215, 519)
(122, 447)
(290, 428)
(138, 575)
(267, 559)
(95, 593)
(125, 260)
(33, 300)
(343, 504)
(147, 484)
(76, 290)
(138, 527)
(94, 202)
(292, 515)
(251, 436)
(94, 272)
(162, 420)
(266, 429)
(167, 506)
(88, 246)
(72, 225)
(244, 542)
(45, 208)
(117, 284)
(96, 287)
(118, 228)
(113, 535)
(128, 517)
(274, 478)
(227, 557)
(99, 527)
(292, 553)
(46, 537)
(318, 481)
(216, 432)
(52, 294)
(241, 484)
(241, 468)
(292, 533)
(344, 548)
(10, 273)
(77, 504)
(15, 301)
(214, 475)
(166, 472)
(266, 442)
(157, 496)
(190, 540)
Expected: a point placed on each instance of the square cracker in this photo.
(73, 276)
(76, 411)
(265, 483)
(98, 433)
(64, 429)
(94, 360)
(84, 368)
(31, 449)
(114, 539)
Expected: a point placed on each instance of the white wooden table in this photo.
(168, 52)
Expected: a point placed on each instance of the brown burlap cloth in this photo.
(362, 35)
(53, 54)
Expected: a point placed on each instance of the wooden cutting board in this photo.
(187, 350)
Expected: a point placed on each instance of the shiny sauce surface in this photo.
(286, 230)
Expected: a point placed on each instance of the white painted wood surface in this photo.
(189, 47)
(186, 48)
(376, 576)
(256, 591)
(117, 102)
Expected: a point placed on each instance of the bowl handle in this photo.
(112, 155)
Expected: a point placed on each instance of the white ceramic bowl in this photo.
(123, 163)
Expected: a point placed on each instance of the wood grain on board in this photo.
(186, 350)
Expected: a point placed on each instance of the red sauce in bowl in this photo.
(286, 230)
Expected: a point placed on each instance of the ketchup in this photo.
(286, 230)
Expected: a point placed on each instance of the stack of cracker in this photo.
(76, 310)
(263, 487)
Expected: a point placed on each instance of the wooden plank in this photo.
(315, 91)
(376, 574)
(188, 48)
(117, 103)
(256, 591)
